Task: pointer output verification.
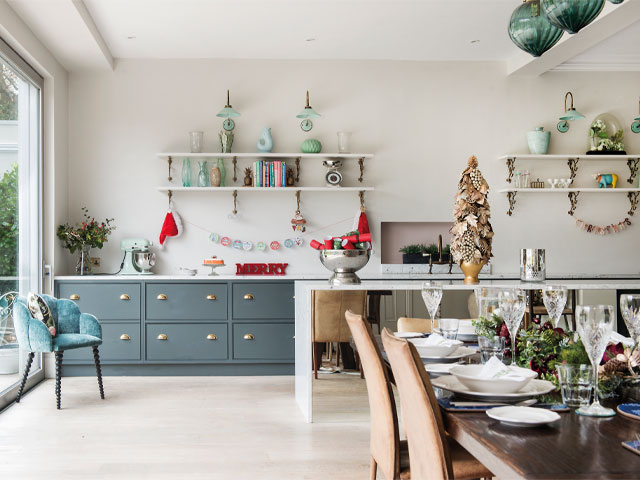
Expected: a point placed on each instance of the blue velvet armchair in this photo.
(73, 330)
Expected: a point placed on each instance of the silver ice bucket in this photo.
(532, 265)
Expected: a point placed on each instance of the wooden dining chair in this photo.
(432, 453)
(387, 451)
(407, 324)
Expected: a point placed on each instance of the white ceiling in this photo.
(88, 34)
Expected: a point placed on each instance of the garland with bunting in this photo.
(603, 230)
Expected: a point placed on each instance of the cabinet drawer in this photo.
(186, 301)
(186, 341)
(120, 341)
(263, 300)
(263, 341)
(112, 301)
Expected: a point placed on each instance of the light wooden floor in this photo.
(187, 428)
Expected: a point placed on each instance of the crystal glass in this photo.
(555, 299)
(491, 347)
(432, 294)
(630, 309)
(513, 303)
(488, 302)
(449, 328)
(595, 324)
(195, 141)
(344, 139)
(575, 384)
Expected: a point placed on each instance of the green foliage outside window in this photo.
(9, 228)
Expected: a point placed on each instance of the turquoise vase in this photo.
(265, 141)
(223, 171)
(572, 15)
(186, 172)
(203, 175)
(538, 141)
(531, 31)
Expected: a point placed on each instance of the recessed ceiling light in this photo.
(310, 39)
(131, 37)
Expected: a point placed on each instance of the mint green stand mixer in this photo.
(138, 260)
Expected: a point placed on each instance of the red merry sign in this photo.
(261, 268)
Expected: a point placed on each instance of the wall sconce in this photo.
(569, 115)
(228, 112)
(635, 126)
(307, 113)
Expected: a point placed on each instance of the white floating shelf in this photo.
(568, 190)
(566, 156)
(165, 156)
(265, 189)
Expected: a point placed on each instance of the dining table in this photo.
(574, 447)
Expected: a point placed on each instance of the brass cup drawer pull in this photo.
(124, 296)
(74, 296)
(163, 336)
(212, 336)
(124, 336)
(249, 336)
(211, 297)
(162, 296)
(248, 296)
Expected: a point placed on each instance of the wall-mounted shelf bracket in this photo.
(235, 202)
(170, 161)
(361, 165)
(511, 165)
(361, 197)
(297, 169)
(511, 196)
(573, 167)
(633, 200)
(633, 169)
(235, 169)
(573, 199)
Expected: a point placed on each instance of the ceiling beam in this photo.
(93, 30)
(611, 21)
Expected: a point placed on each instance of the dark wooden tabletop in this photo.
(574, 447)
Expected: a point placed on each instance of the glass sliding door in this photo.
(20, 207)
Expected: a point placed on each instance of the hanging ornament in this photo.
(261, 246)
(603, 230)
(214, 237)
(288, 243)
(298, 223)
(171, 227)
(571, 15)
(247, 246)
(225, 241)
(299, 241)
(275, 245)
(530, 29)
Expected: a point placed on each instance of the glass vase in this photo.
(203, 175)
(83, 266)
(186, 172)
(223, 171)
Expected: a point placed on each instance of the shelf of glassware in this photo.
(573, 160)
(365, 156)
(633, 195)
(166, 189)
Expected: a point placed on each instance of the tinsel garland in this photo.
(604, 230)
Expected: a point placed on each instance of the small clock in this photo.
(228, 124)
(635, 127)
(563, 126)
(306, 125)
(333, 178)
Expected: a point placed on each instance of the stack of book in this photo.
(270, 173)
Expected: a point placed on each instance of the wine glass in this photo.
(513, 303)
(555, 299)
(630, 309)
(432, 294)
(595, 324)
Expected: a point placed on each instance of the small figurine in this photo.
(298, 223)
(248, 177)
(606, 180)
(290, 177)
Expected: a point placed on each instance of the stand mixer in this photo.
(138, 260)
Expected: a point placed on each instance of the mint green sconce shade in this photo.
(306, 114)
(569, 115)
(228, 112)
(531, 31)
(572, 15)
(616, 2)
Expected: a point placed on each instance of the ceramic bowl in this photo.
(435, 350)
(468, 376)
(187, 271)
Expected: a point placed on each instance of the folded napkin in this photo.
(617, 338)
(494, 368)
(437, 340)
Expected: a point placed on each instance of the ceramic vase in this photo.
(223, 171)
(214, 177)
(538, 141)
(265, 141)
(471, 271)
(311, 145)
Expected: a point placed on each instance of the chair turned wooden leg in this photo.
(96, 358)
(26, 374)
(374, 468)
(58, 356)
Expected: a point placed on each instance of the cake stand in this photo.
(213, 268)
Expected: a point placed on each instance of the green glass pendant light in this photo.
(530, 29)
(635, 126)
(569, 115)
(572, 15)
(228, 112)
(307, 114)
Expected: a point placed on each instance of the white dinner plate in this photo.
(523, 416)
(459, 354)
(437, 369)
(532, 389)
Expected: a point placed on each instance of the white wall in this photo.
(422, 120)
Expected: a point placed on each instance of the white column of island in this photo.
(303, 289)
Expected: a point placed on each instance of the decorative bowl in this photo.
(344, 264)
(468, 376)
(435, 350)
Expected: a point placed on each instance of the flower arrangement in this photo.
(471, 231)
(89, 233)
(600, 140)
